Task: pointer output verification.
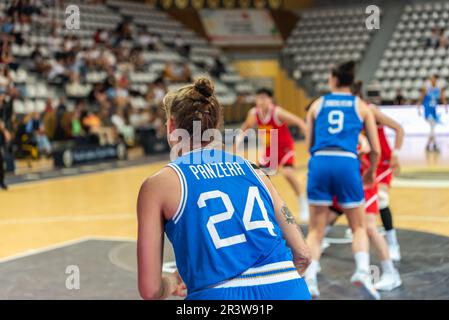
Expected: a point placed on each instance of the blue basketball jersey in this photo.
(225, 223)
(337, 124)
(432, 97)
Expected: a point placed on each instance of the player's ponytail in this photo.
(344, 73)
(357, 89)
(195, 102)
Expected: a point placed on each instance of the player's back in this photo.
(432, 96)
(337, 124)
(225, 224)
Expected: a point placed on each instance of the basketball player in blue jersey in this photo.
(232, 235)
(334, 123)
(431, 95)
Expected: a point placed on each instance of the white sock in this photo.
(312, 270)
(327, 230)
(390, 235)
(362, 261)
(303, 202)
(388, 266)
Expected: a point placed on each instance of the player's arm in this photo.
(5, 132)
(291, 231)
(150, 243)
(249, 123)
(310, 122)
(443, 99)
(399, 134)
(421, 99)
(373, 139)
(291, 119)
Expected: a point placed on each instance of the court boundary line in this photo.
(72, 218)
(63, 244)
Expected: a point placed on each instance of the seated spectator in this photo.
(125, 130)
(181, 47)
(399, 98)
(95, 127)
(139, 118)
(156, 92)
(218, 67)
(35, 128)
(443, 39)
(58, 72)
(177, 71)
(76, 128)
(39, 64)
(101, 36)
(434, 40)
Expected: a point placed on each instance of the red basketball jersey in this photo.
(384, 145)
(270, 122)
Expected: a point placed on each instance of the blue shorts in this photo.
(430, 114)
(335, 174)
(295, 289)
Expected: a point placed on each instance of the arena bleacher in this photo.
(409, 60)
(323, 37)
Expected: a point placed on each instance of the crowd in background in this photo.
(106, 115)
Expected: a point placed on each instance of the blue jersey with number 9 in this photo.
(337, 124)
(225, 223)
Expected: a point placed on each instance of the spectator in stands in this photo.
(124, 129)
(443, 39)
(399, 98)
(60, 113)
(76, 129)
(139, 118)
(5, 137)
(156, 92)
(181, 47)
(58, 72)
(434, 40)
(35, 128)
(157, 122)
(6, 109)
(177, 71)
(104, 134)
(122, 32)
(38, 63)
(217, 68)
(118, 94)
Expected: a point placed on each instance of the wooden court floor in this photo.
(47, 213)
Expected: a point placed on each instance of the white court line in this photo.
(81, 174)
(422, 218)
(35, 251)
(74, 218)
(428, 184)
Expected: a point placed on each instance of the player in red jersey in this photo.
(267, 116)
(389, 163)
(390, 277)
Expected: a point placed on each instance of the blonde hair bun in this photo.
(204, 86)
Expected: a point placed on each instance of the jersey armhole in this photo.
(182, 202)
(318, 109)
(275, 116)
(356, 109)
(250, 166)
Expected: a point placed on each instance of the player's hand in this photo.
(369, 177)
(394, 164)
(176, 286)
(419, 111)
(302, 260)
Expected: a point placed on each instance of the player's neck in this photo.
(341, 91)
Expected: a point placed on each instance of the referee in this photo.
(4, 139)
